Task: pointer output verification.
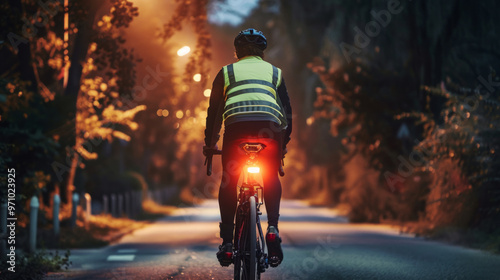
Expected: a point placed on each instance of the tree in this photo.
(37, 118)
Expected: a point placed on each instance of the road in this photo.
(317, 243)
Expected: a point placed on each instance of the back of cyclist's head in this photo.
(250, 42)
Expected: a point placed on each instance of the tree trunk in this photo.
(80, 48)
(71, 178)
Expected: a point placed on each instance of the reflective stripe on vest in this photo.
(250, 87)
(252, 106)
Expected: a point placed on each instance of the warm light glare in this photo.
(253, 169)
(183, 51)
(207, 92)
(179, 114)
(103, 87)
(164, 112)
(197, 77)
(310, 120)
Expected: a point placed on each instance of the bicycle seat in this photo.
(252, 148)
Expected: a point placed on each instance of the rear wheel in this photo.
(239, 244)
(253, 238)
(245, 262)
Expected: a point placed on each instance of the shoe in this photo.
(273, 241)
(225, 254)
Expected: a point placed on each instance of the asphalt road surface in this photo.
(317, 243)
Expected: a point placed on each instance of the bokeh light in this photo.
(197, 77)
(164, 112)
(207, 92)
(183, 51)
(179, 114)
(310, 120)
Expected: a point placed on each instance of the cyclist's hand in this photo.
(208, 151)
(281, 171)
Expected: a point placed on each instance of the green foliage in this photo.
(36, 265)
(38, 118)
(360, 101)
(408, 68)
(462, 158)
(24, 146)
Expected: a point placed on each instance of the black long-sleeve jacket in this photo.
(216, 109)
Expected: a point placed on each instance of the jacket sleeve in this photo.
(285, 101)
(215, 110)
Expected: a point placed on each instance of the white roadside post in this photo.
(140, 199)
(127, 205)
(132, 204)
(120, 205)
(105, 204)
(76, 198)
(55, 215)
(88, 210)
(113, 205)
(34, 205)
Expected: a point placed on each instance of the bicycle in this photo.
(249, 257)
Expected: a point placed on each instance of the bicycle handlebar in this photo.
(208, 161)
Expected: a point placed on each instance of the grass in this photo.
(35, 265)
(102, 229)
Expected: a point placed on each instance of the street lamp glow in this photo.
(207, 92)
(197, 77)
(183, 51)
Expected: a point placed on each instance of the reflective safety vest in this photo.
(250, 87)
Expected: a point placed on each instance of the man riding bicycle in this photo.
(250, 96)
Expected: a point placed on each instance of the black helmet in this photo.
(251, 36)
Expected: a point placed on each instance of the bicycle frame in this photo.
(250, 259)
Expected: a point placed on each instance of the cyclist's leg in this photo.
(227, 191)
(272, 186)
(272, 197)
(227, 202)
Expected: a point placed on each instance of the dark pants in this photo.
(233, 160)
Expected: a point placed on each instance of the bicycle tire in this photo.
(245, 262)
(253, 238)
(239, 242)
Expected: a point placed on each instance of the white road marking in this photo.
(120, 258)
(124, 251)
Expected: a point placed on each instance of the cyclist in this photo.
(250, 96)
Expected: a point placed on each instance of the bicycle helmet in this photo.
(251, 36)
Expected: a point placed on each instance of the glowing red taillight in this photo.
(253, 169)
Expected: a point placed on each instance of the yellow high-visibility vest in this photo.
(250, 87)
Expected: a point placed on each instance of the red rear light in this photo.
(253, 169)
(229, 255)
